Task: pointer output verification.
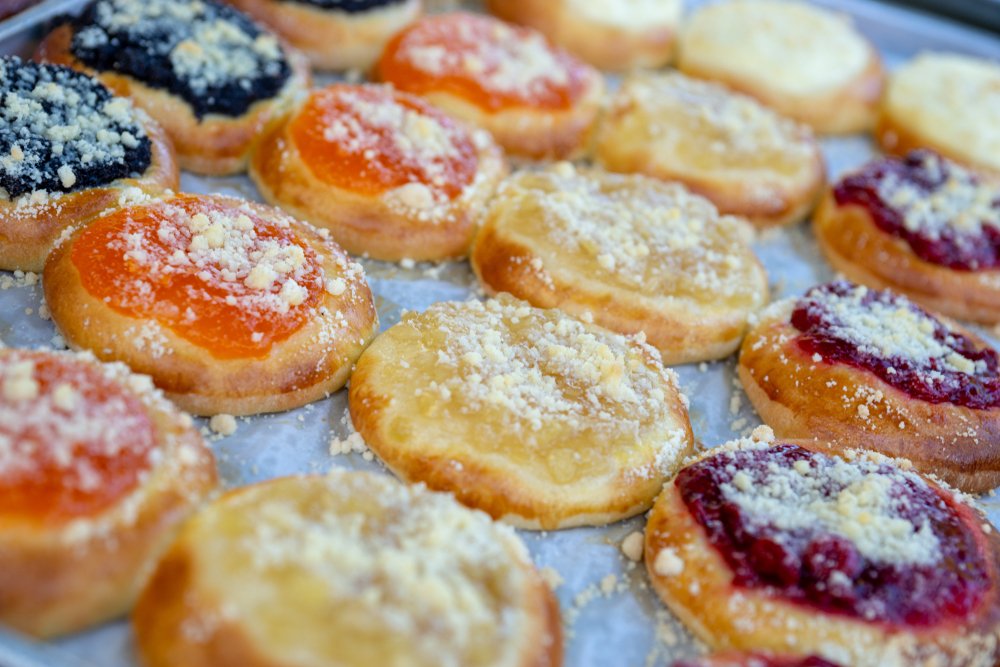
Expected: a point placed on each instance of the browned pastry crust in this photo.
(837, 407)
(699, 589)
(310, 364)
(603, 44)
(28, 230)
(61, 578)
(621, 248)
(202, 609)
(216, 145)
(331, 39)
(856, 247)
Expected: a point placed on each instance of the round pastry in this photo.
(69, 150)
(388, 174)
(97, 470)
(536, 100)
(849, 365)
(805, 62)
(921, 225)
(609, 34)
(635, 253)
(335, 34)
(945, 102)
(207, 73)
(737, 659)
(231, 307)
(745, 158)
(353, 570)
(526, 414)
(762, 546)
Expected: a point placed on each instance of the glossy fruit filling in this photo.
(72, 441)
(903, 345)
(908, 556)
(212, 271)
(755, 660)
(940, 209)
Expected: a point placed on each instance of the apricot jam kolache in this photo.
(97, 471)
(205, 71)
(69, 149)
(389, 175)
(536, 100)
(637, 254)
(852, 366)
(922, 225)
(769, 546)
(354, 569)
(230, 306)
(527, 414)
(335, 34)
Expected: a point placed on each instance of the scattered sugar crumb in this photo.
(223, 424)
(632, 546)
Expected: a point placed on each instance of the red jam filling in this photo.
(931, 380)
(827, 571)
(755, 660)
(71, 446)
(925, 177)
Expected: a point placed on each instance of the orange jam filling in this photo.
(488, 62)
(371, 139)
(211, 270)
(72, 441)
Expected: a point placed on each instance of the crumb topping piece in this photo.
(62, 131)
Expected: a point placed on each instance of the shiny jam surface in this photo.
(902, 344)
(488, 62)
(940, 209)
(211, 270)
(370, 139)
(909, 557)
(755, 660)
(72, 441)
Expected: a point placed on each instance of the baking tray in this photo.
(611, 616)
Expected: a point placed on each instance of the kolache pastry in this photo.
(853, 366)
(805, 62)
(69, 150)
(535, 99)
(231, 306)
(769, 546)
(738, 659)
(354, 569)
(335, 34)
(532, 416)
(97, 471)
(609, 34)
(635, 253)
(388, 174)
(205, 71)
(922, 225)
(947, 103)
(743, 157)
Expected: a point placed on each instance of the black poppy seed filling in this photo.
(142, 49)
(347, 6)
(34, 146)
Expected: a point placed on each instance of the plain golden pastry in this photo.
(389, 175)
(352, 569)
(743, 157)
(97, 471)
(852, 366)
(335, 34)
(805, 62)
(536, 100)
(205, 71)
(633, 252)
(527, 414)
(231, 306)
(69, 150)
(945, 102)
(921, 225)
(769, 546)
(609, 34)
